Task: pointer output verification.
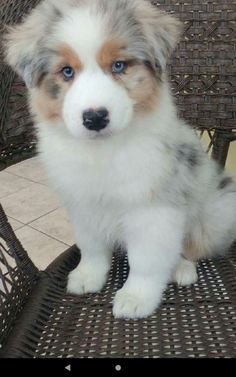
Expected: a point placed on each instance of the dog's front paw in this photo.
(185, 273)
(85, 280)
(131, 306)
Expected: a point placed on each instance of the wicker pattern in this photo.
(17, 136)
(37, 318)
(202, 71)
(17, 277)
(203, 68)
(197, 321)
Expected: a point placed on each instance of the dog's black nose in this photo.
(96, 120)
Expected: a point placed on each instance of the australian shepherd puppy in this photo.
(129, 171)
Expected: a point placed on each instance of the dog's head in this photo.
(93, 65)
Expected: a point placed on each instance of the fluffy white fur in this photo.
(106, 185)
(128, 183)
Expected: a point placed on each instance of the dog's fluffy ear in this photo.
(162, 30)
(25, 49)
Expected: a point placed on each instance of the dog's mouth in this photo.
(102, 134)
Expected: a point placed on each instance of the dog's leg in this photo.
(91, 274)
(154, 239)
(185, 272)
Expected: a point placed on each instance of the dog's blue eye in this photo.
(68, 73)
(118, 67)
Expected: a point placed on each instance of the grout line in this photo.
(26, 178)
(18, 190)
(49, 236)
(21, 225)
(12, 218)
(30, 222)
(30, 225)
(40, 217)
(24, 188)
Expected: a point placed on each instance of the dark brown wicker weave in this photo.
(38, 319)
(203, 73)
(17, 136)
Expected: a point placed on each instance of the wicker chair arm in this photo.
(18, 276)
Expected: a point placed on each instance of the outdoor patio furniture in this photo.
(38, 319)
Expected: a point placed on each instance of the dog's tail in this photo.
(215, 230)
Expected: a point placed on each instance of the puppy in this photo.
(127, 168)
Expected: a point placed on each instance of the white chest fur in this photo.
(106, 173)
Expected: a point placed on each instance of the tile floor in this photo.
(35, 212)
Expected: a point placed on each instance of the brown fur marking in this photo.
(47, 98)
(142, 87)
(196, 247)
(44, 102)
(52, 87)
(110, 52)
(69, 57)
(139, 80)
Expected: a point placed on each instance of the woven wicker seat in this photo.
(37, 318)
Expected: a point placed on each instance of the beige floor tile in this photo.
(40, 248)
(30, 169)
(9, 184)
(45, 182)
(57, 225)
(15, 224)
(31, 203)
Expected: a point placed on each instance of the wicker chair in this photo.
(39, 320)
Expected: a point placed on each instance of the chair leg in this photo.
(221, 146)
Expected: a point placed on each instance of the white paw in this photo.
(130, 306)
(185, 273)
(85, 280)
